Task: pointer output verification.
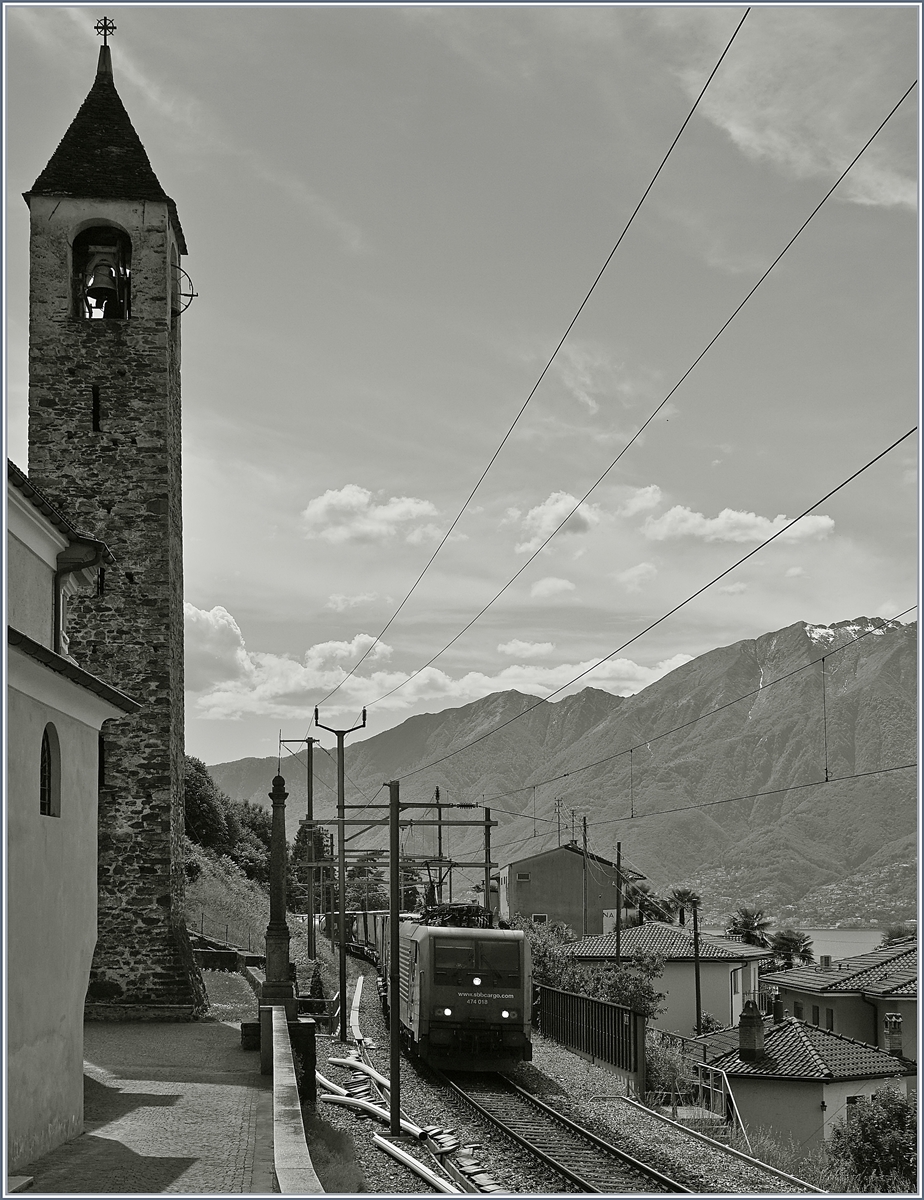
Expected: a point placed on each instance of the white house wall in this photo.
(51, 906)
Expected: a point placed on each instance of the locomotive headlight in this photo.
(477, 981)
(508, 1013)
(442, 1012)
(505, 1013)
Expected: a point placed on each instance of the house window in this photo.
(540, 918)
(829, 1018)
(522, 876)
(736, 982)
(798, 1010)
(816, 1015)
(50, 774)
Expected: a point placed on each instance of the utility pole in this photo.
(699, 999)
(309, 816)
(340, 734)
(439, 846)
(394, 977)
(558, 804)
(487, 862)
(618, 903)
(584, 889)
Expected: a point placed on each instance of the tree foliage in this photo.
(789, 947)
(898, 931)
(878, 1141)
(630, 983)
(751, 925)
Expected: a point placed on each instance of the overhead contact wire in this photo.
(676, 608)
(695, 720)
(654, 412)
(542, 375)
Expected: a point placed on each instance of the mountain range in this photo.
(775, 772)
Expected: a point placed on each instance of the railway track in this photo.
(579, 1156)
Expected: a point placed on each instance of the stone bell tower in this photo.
(104, 442)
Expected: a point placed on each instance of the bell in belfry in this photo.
(102, 286)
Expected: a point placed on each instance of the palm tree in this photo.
(750, 925)
(649, 904)
(685, 900)
(789, 947)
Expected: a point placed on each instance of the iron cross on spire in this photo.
(104, 28)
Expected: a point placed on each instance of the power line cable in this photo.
(543, 373)
(670, 613)
(702, 716)
(649, 419)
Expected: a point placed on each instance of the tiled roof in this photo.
(885, 971)
(795, 1050)
(670, 941)
(101, 156)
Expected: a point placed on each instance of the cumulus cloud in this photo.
(633, 579)
(340, 602)
(516, 648)
(351, 513)
(732, 526)
(545, 518)
(226, 681)
(794, 572)
(640, 500)
(732, 589)
(214, 647)
(542, 589)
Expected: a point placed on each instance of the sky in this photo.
(393, 213)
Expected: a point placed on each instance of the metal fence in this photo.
(603, 1031)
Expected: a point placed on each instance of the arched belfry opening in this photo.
(102, 258)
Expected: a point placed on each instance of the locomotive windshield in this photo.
(498, 961)
(450, 957)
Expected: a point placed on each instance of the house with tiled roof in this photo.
(795, 1079)
(854, 995)
(727, 970)
(565, 884)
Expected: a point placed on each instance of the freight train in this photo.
(465, 987)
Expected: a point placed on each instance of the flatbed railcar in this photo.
(464, 987)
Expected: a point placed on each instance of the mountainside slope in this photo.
(661, 771)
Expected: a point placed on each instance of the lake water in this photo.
(839, 943)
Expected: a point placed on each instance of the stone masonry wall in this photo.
(121, 483)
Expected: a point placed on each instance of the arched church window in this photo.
(102, 259)
(50, 774)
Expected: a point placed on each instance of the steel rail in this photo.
(549, 1159)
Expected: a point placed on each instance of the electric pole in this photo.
(584, 889)
(340, 734)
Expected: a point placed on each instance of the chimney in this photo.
(778, 1011)
(825, 962)
(892, 1035)
(750, 1033)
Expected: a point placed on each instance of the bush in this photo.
(878, 1140)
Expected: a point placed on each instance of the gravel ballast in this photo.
(588, 1094)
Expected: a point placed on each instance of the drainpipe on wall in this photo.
(81, 554)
